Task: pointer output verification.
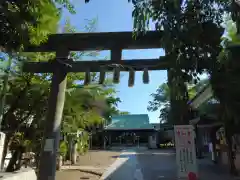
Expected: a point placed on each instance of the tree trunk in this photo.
(231, 156)
(173, 115)
(5, 149)
(179, 113)
(15, 161)
(213, 141)
(74, 153)
(20, 160)
(198, 143)
(59, 162)
(69, 152)
(37, 159)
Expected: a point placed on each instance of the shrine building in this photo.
(130, 130)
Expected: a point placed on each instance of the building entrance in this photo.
(129, 139)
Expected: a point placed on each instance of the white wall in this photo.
(152, 141)
(23, 174)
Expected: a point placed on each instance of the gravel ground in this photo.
(96, 158)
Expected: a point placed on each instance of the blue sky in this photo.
(115, 15)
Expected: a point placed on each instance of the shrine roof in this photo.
(131, 121)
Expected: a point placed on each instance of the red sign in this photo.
(178, 133)
(192, 176)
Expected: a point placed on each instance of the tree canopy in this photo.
(87, 107)
(192, 40)
(161, 99)
(187, 29)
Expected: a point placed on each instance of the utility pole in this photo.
(48, 158)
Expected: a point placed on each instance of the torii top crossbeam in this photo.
(113, 41)
(99, 41)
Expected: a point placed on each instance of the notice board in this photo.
(185, 150)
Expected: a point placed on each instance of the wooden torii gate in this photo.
(62, 44)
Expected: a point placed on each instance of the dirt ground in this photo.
(99, 160)
(75, 175)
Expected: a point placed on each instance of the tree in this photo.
(27, 100)
(200, 51)
(185, 27)
(23, 23)
(29, 21)
(161, 99)
(26, 106)
(223, 82)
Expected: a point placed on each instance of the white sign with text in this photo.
(185, 150)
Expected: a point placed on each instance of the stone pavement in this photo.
(158, 164)
(143, 164)
(124, 168)
(209, 171)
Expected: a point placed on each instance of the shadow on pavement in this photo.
(122, 169)
(144, 165)
(159, 165)
(208, 170)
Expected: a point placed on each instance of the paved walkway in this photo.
(124, 168)
(158, 164)
(209, 171)
(143, 164)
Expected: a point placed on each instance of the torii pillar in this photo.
(49, 152)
